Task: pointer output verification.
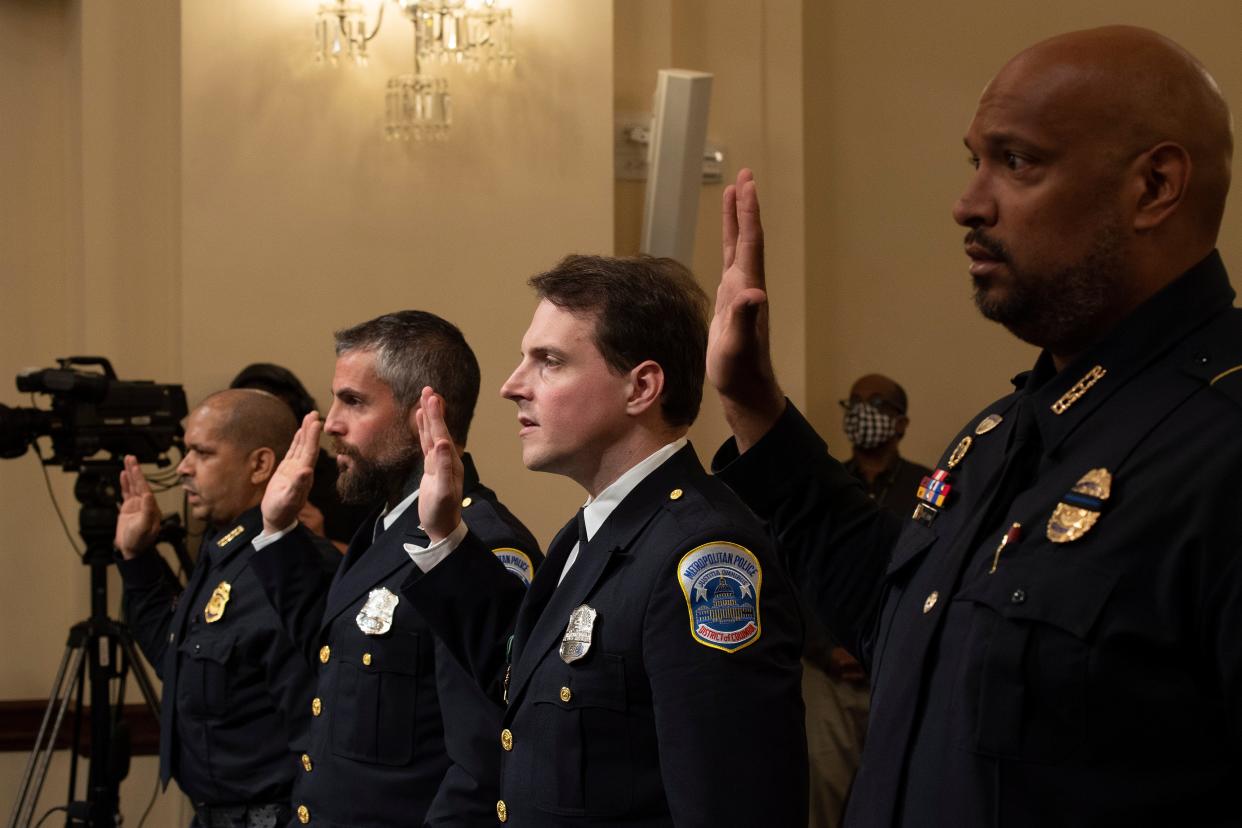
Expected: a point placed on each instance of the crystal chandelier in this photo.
(469, 33)
(417, 107)
(474, 33)
(341, 26)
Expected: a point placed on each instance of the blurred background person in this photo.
(834, 685)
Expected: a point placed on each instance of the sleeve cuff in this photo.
(266, 539)
(426, 559)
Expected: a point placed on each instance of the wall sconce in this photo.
(418, 107)
(342, 26)
(469, 33)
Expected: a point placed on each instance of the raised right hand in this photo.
(138, 522)
(739, 361)
(291, 483)
(439, 493)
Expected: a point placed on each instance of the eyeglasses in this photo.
(877, 402)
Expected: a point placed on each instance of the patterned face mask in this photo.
(867, 427)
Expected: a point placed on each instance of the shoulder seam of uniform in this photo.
(1225, 373)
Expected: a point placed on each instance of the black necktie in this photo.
(546, 579)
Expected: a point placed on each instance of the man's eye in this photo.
(1015, 162)
(973, 161)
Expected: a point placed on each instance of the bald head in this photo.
(252, 419)
(1102, 163)
(1130, 90)
(871, 386)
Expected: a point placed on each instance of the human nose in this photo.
(975, 207)
(184, 468)
(333, 424)
(514, 388)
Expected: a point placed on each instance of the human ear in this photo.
(646, 387)
(262, 465)
(1163, 178)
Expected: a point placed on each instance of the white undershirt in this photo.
(597, 509)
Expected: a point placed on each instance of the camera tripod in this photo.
(100, 654)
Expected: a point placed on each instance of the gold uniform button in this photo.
(316, 706)
(566, 694)
(506, 739)
(325, 652)
(675, 494)
(502, 811)
(306, 762)
(931, 601)
(366, 659)
(465, 501)
(303, 814)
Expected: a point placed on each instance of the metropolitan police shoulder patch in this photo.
(517, 562)
(721, 582)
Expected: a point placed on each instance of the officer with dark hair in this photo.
(400, 735)
(325, 513)
(651, 676)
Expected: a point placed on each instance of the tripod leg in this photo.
(45, 744)
(141, 677)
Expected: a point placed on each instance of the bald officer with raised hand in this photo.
(236, 688)
(1052, 634)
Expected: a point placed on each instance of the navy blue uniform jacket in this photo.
(236, 691)
(402, 736)
(650, 727)
(1094, 681)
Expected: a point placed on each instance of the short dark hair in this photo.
(414, 348)
(644, 308)
(278, 380)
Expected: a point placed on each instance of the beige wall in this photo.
(754, 52)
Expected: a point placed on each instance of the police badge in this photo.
(214, 610)
(1080, 507)
(577, 640)
(375, 617)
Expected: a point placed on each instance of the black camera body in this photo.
(94, 412)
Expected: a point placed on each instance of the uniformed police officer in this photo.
(652, 674)
(1052, 633)
(400, 735)
(236, 690)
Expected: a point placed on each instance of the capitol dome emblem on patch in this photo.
(721, 582)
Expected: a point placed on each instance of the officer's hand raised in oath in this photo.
(138, 522)
(739, 363)
(439, 494)
(291, 482)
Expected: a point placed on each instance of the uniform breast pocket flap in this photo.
(581, 722)
(1026, 664)
(375, 706)
(204, 673)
